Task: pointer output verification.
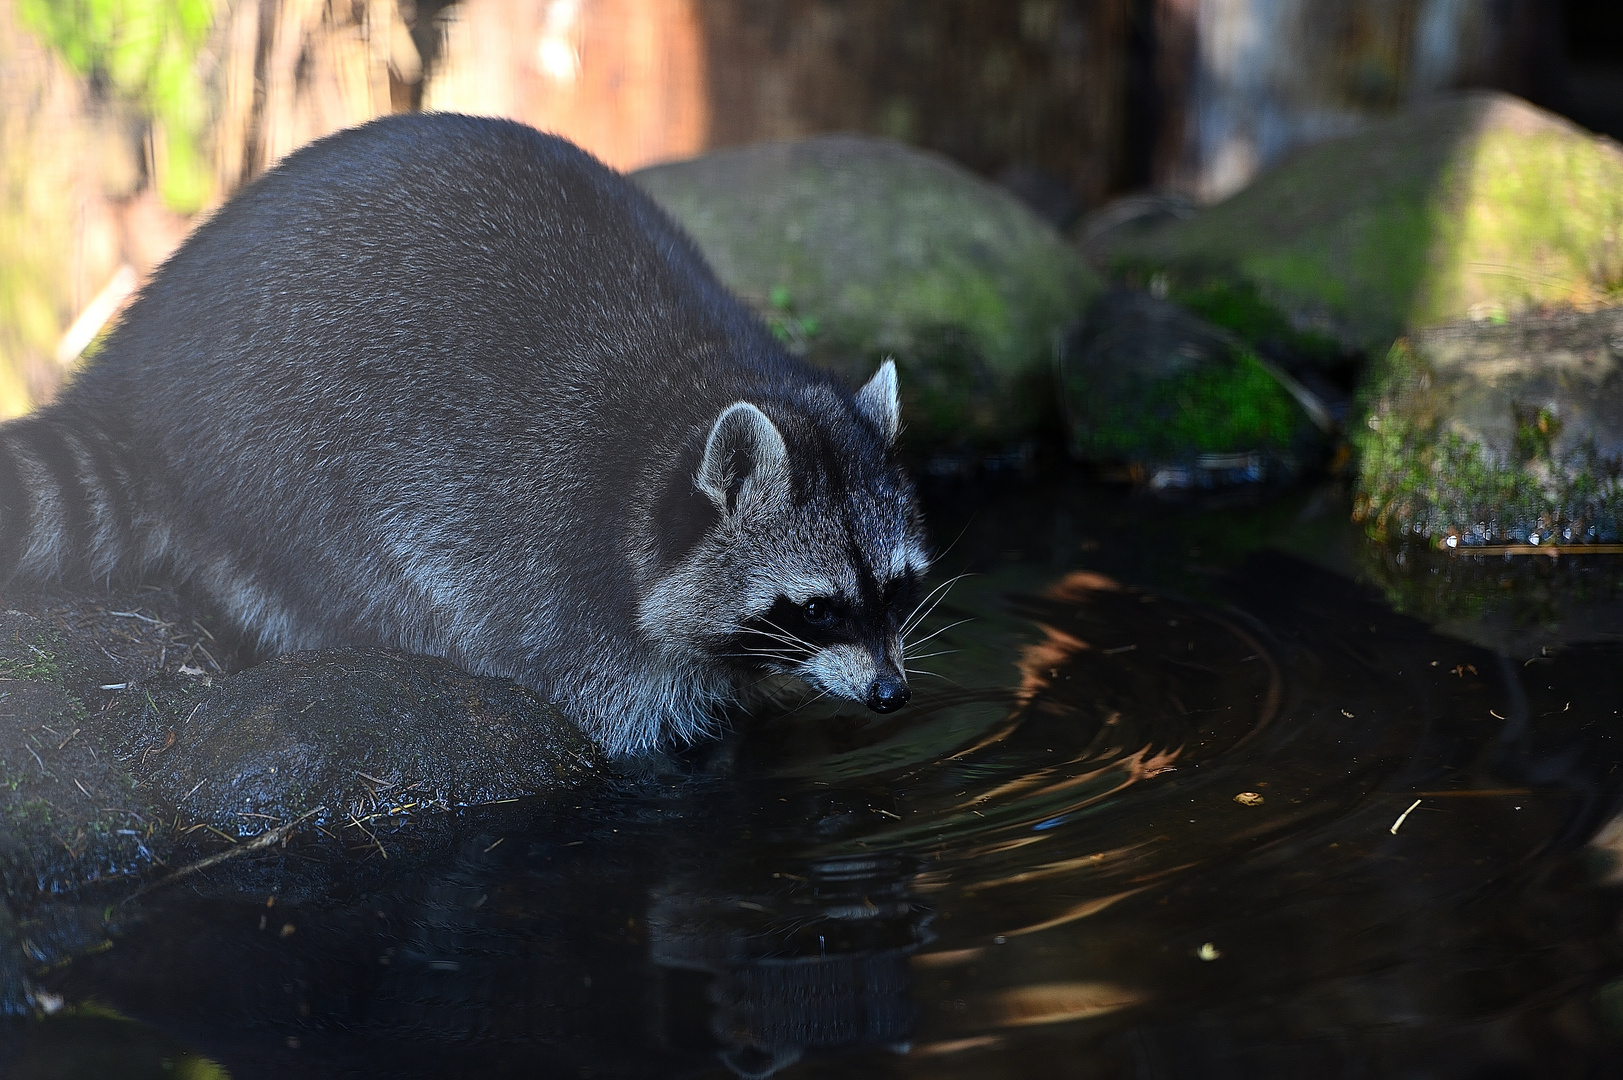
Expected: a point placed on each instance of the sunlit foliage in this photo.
(146, 52)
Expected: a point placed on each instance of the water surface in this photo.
(1182, 798)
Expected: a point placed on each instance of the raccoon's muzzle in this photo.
(887, 694)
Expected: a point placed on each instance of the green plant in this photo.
(793, 330)
(146, 52)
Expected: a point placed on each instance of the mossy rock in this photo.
(349, 735)
(127, 751)
(855, 248)
(1484, 433)
(1148, 384)
(1477, 206)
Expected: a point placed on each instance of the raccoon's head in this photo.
(794, 545)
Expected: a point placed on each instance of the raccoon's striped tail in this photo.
(68, 506)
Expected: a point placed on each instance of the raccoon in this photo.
(449, 385)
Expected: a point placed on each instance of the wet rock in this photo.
(856, 248)
(352, 733)
(1147, 384)
(129, 758)
(75, 827)
(1483, 433)
(73, 815)
(1479, 205)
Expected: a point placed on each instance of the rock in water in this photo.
(857, 247)
(1181, 403)
(1478, 206)
(348, 733)
(1484, 433)
(122, 759)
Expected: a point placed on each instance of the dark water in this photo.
(1146, 819)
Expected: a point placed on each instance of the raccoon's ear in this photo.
(745, 446)
(878, 404)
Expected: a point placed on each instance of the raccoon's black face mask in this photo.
(801, 550)
(840, 640)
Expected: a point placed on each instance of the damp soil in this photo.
(1196, 790)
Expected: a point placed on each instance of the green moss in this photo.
(1477, 206)
(1536, 224)
(1418, 478)
(1237, 306)
(1522, 592)
(1218, 408)
(1536, 430)
(952, 398)
(1340, 232)
(856, 248)
(27, 814)
(32, 662)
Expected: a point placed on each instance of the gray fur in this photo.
(880, 403)
(449, 385)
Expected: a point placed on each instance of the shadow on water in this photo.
(1175, 804)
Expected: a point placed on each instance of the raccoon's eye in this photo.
(818, 611)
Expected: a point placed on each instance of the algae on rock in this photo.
(1484, 433)
(1147, 383)
(860, 247)
(1477, 206)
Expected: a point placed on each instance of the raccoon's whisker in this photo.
(936, 674)
(753, 683)
(787, 663)
(782, 635)
(946, 550)
(947, 584)
(914, 618)
(782, 652)
(786, 633)
(805, 648)
(938, 633)
(914, 624)
(787, 636)
(811, 700)
(926, 656)
(787, 643)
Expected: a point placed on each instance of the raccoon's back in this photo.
(475, 262)
(415, 360)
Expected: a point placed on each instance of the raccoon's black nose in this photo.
(887, 694)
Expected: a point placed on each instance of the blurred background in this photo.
(121, 121)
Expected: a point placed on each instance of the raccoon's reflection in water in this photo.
(1127, 836)
(799, 963)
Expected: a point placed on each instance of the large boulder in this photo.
(1477, 206)
(1481, 433)
(855, 248)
